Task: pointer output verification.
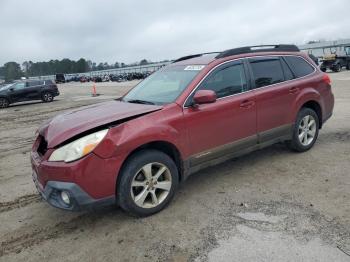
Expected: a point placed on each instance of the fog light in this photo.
(65, 197)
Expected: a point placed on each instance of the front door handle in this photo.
(293, 90)
(247, 104)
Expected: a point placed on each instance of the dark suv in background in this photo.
(44, 90)
(60, 78)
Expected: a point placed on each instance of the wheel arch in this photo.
(7, 98)
(46, 91)
(163, 146)
(314, 105)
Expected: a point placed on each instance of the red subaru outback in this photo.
(199, 111)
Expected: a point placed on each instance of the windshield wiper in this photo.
(138, 101)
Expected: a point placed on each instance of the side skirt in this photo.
(236, 149)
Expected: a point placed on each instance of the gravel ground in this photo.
(270, 205)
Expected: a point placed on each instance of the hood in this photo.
(3, 89)
(70, 124)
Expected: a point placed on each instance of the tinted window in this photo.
(266, 71)
(299, 66)
(347, 50)
(226, 81)
(288, 75)
(19, 86)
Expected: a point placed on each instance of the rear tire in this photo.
(4, 102)
(348, 66)
(147, 183)
(47, 97)
(337, 68)
(305, 131)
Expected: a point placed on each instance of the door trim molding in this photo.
(222, 150)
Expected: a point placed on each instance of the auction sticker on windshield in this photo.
(194, 67)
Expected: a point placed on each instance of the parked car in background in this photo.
(44, 90)
(84, 79)
(60, 78)
(336, 58)
(196, 112)
(96, 79)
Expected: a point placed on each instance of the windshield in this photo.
(6, 86)
(163, 86)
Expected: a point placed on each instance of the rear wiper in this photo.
(138, 101)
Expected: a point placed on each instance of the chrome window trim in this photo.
(236, 59)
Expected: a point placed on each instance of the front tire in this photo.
(4, 102)
(147, 184)
(305, 131)
(337, 68)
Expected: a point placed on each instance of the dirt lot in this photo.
(271, 205)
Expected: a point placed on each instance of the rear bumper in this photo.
(79, 199)
(326, 118)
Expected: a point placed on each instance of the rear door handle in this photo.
(293, 90)
(247, 104)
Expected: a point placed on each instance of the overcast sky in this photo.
(130, 30)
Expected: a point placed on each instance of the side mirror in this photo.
(204, 97)
(11, 89)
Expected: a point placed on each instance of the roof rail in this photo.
(193, 56)
(259, 48)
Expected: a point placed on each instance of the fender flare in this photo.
(305, 96)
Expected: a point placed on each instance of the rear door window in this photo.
(266, 71)
(299, 66)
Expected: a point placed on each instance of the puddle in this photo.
(253, 245)
(260, 217)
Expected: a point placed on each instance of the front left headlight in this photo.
(78, 148)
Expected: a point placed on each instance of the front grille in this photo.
(42, 149)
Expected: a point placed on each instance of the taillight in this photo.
(327, 79)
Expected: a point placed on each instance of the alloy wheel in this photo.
(151, 185)
(48, 97)
(3, 103)
(307, 130)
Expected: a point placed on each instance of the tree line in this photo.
(11, 70)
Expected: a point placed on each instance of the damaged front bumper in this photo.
(73, 198)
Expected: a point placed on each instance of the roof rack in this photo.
(259, 48)
(193, 56)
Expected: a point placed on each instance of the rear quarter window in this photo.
(299, 66)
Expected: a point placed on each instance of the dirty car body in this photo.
(218, 109)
